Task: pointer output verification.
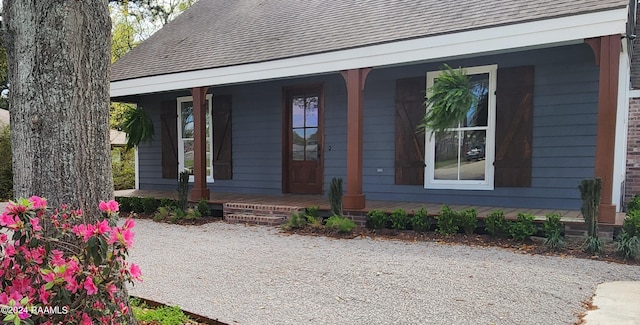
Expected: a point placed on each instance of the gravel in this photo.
(257, 275)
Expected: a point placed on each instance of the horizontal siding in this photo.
(564, 118)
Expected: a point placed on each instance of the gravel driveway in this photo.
(256, 275)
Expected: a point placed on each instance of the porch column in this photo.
(607, 53)
(200, 190)
(355, 79)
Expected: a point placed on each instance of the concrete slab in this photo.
(616, 303)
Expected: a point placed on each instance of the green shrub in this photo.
(163, 214)
(593, 244)
(298, 220)
(203, 208)
(137, 204)
(312, 211)
(468, 220)
(6, 168)
(123, 168)
(496, 225)
(523, 227)
(150, 204)
(553, 231)
(631, 223)
(399, 219)
(628, 246)
(447, 221)
(420, 220)
(634, 204)
(377, 219)
(124, 203)
(341, 224)
(192, 214)
(169, 203)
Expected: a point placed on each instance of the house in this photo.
(278, 96)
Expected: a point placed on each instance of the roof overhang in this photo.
(535, 34)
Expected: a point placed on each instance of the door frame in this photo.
(287, 92)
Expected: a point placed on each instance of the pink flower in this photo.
(9, 220)
(72, 285)
(48, 277)
(89, 286)
(38, 202)
(57, 259)
(44, 295)
(86, 320)
(109, 207)
(3, 238)
(102, 227)
(23, 314)
(135, 272)
(127, 236)
(128, 224)
(10, 250)
(14, 208)
(84, 231)
(35, 223)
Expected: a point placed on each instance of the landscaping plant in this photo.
(164, 315)
(56, 269)
(313, 217)
(553, 231)
(628, 244)
(203, 208)
(523, 227)
(341, 224)
(150, 204)
(183, 189)
(296, 221)
(634, 204)
(6, 168)
(399, 219)
(496, 225)
(448, 100)
(420, 220)
(335, 196)
(447, 221)
(468, 220)
(590, 193)
(377, 219)
(124, 202)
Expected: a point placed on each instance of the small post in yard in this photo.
(590, 190)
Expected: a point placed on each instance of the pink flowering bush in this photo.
(57, 270)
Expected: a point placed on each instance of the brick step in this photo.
(259, 214)
(255, 219)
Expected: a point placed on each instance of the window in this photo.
(462, 157)
(186, 129)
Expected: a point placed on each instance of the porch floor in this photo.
(568, 216)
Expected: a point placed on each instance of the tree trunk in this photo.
(59, 64)
(58, 53)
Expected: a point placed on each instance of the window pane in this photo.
(297, 112)
(446, 158)
(312, 143)
(187, 119)
(297, 147)
(188, 156)
(473, 166)
(311, 113)
(479, 113)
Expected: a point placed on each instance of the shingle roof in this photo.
(217, 33)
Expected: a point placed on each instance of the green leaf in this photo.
(8, 318)
(49, 285)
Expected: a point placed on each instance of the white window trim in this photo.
(186, 99)
(430, 145)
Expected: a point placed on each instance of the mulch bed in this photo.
(572, 247)
(197, 319)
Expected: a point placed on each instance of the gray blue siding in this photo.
(565, 117)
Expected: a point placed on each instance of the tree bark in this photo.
(59, 64)
(58, 54)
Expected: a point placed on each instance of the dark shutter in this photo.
(514, 126)
(222, 168)
(169, 129)
(410, 110)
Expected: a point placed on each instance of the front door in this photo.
(302, 154)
